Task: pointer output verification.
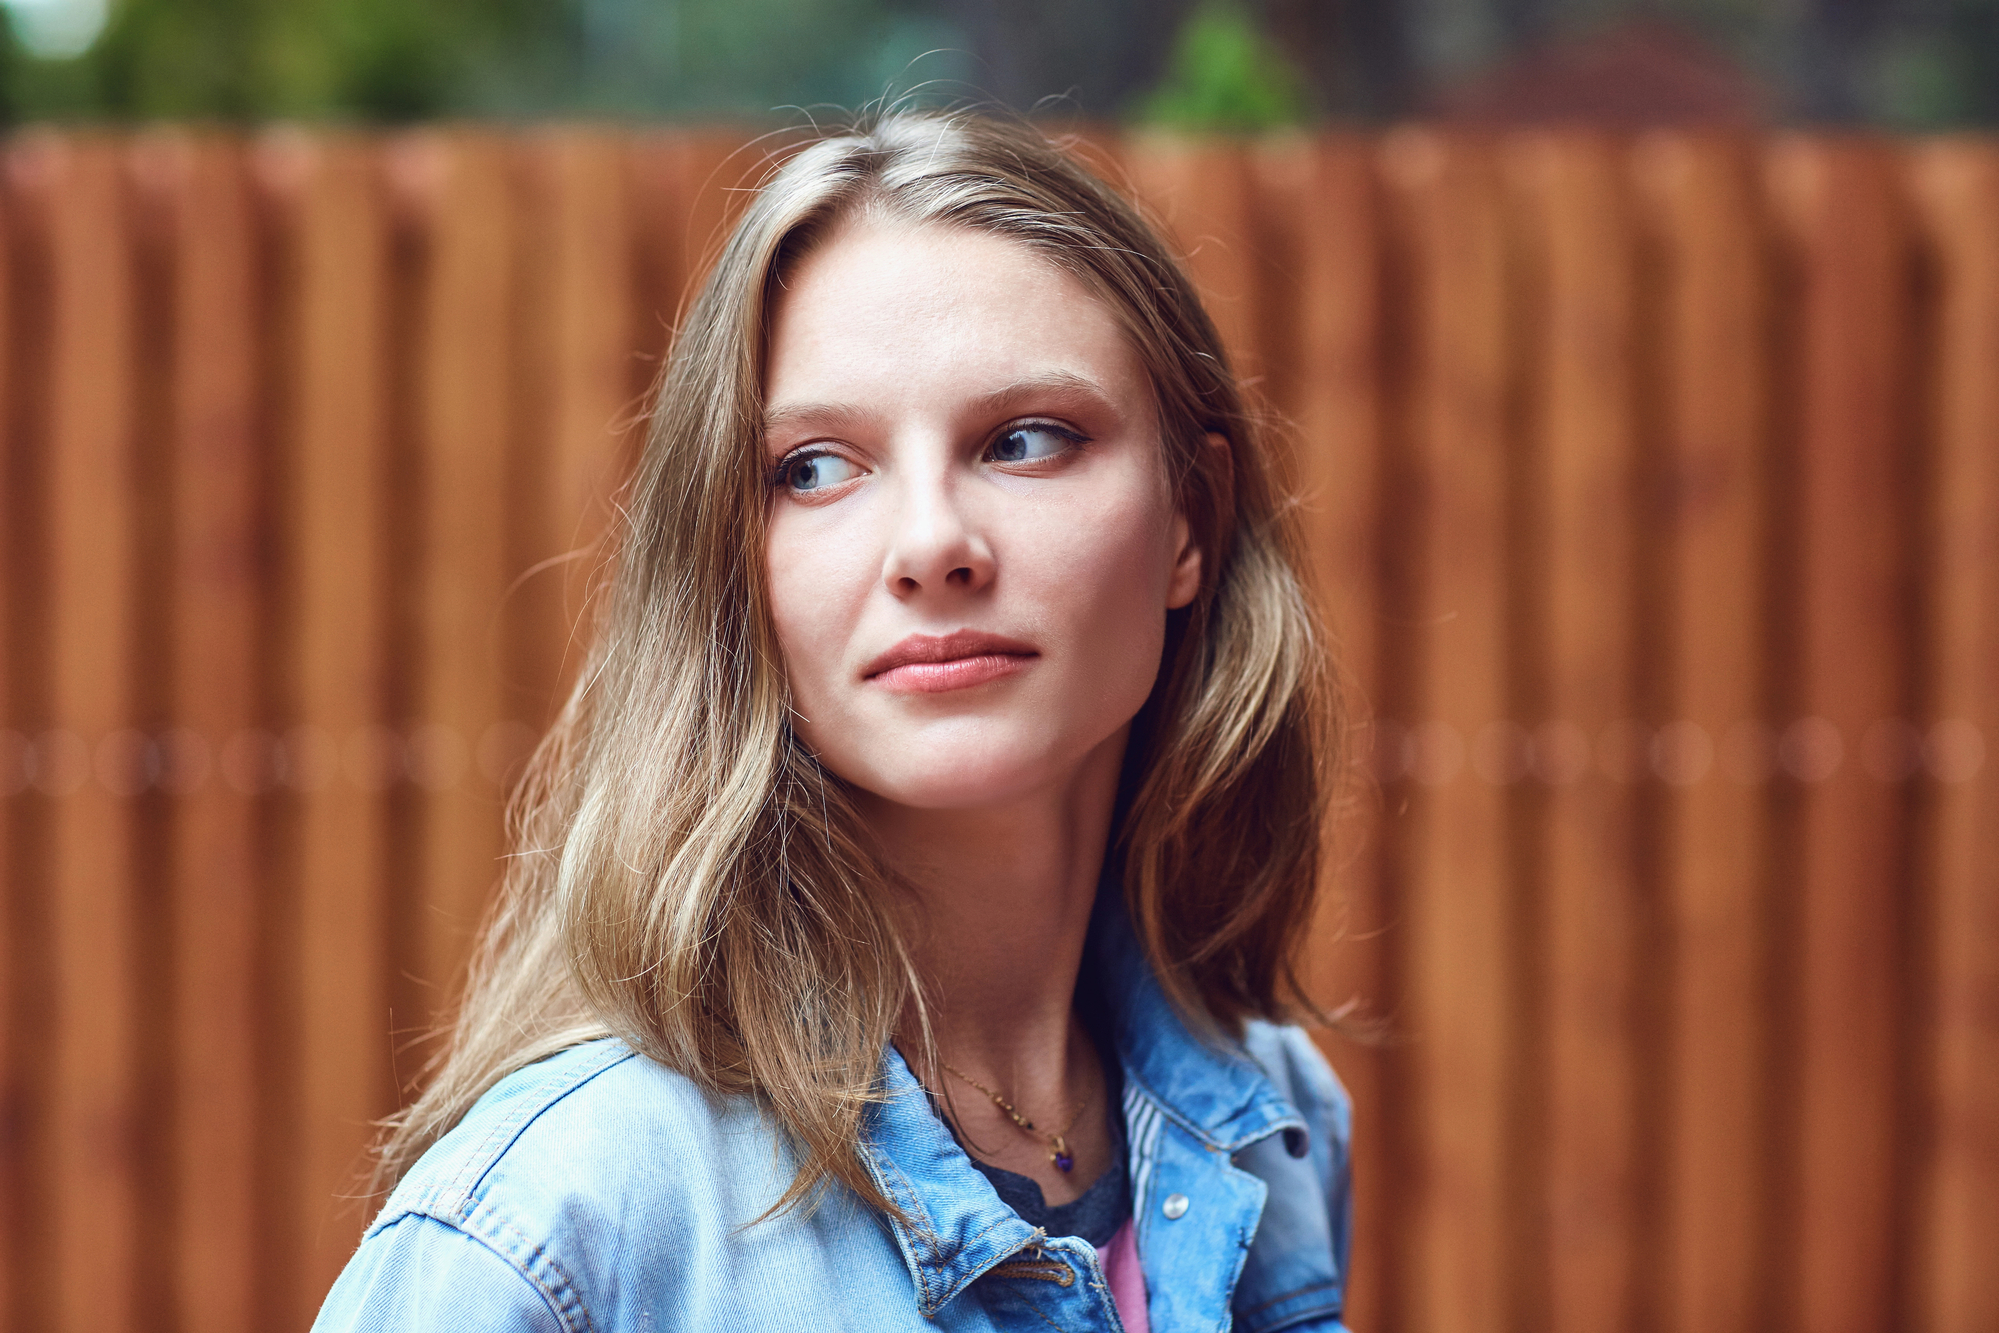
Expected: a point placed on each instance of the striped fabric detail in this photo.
(1142, 1122)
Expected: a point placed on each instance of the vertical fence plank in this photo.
(1854, 610)
(30, 1177)
(589, 353)
(467, 180)
(1955, 1281)
(17, 504)
(1202, 192)
(336, 644)
(92, 1113)
(710, 178)
(686, 187)
(217, 573)
(1336, 401)
(657, 232)
(1580, 557)
(1454, 853)
(1710, 485)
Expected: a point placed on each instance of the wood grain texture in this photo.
(467, 205)
(592, 350)
(1839, 204)
(17, 501)
(687, 188)
(1478, 339)
(1457, 1272)
(1580, 549)
(660, 173)
(92, 1119)
(1203, 194)
(25, 1099)
(1711, 487)
(217, 569)
(1335, 402)
(336, 587)
(1954, 1283)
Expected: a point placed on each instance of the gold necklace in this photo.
(1058, 1143)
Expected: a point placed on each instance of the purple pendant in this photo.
(1064, 1162)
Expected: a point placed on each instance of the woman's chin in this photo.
(974, 784)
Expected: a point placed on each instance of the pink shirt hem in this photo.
(1126, 1279)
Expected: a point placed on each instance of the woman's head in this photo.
(940, 381)
(972, 536)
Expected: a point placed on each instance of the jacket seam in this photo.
(615, 1053)
(1326, 1306)
(559, 1296)
(916, 1216)
(1333, 1283)
(552, 1299)
(545, 1094)
(454, 1194)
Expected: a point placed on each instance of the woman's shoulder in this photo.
(564, 1174)
(596, 1124)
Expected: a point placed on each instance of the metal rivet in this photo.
(1175, 1207)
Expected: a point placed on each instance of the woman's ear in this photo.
(1185, 583)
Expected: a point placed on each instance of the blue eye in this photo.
(815, 472)
(1030, 444)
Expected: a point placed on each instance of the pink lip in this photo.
(933, 664)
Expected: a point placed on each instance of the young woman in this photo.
(906, 902)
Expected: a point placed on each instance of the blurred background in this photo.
(1908, 64)
(1636, 369)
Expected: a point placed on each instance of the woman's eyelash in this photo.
(1052, 427)
(1061, 432)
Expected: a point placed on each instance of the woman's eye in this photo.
(815, 472)
(1030, 444)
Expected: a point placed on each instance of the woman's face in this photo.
(973, 540)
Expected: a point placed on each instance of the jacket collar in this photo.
(954, 1225)
(1206, 1082)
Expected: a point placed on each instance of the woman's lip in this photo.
(929, 663)
(959, 674)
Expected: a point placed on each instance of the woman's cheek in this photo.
(813, 603)
(1110, 570)
(1117, 554)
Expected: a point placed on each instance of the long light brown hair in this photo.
(686, 875)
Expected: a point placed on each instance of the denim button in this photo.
(1175, 1207)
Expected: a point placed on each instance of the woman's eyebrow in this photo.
(847, 419)
(815, 418)
(1063, 382)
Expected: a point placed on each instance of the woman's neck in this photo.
(1005, 897)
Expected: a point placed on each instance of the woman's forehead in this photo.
(891, 310)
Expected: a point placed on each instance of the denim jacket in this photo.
(598, 1190)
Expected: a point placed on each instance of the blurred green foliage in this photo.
(1913, 64)
(1948, 75)
(401, 60)
(244, 59)
(1226, 75)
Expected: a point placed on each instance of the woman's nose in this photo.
(935, 546)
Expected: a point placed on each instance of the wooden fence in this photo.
(1654, 483)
